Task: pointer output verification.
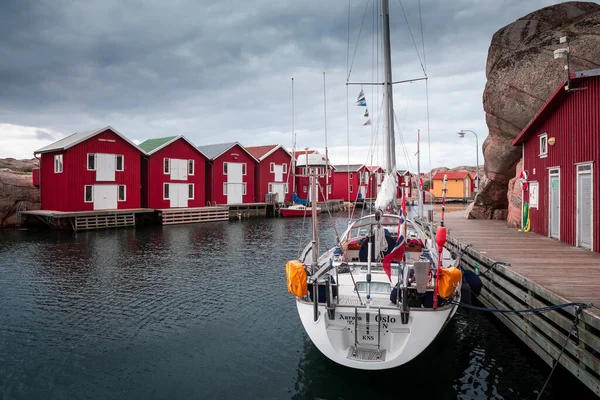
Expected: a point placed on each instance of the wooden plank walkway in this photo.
(539, 272)
(570, 272)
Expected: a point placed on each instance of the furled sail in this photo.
(387, 193)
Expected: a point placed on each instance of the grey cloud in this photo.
(222, 69)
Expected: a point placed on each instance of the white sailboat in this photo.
(358, 304)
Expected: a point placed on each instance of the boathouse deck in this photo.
(540, 272)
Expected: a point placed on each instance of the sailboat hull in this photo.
(382, 340)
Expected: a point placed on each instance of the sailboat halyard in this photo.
(346, 300)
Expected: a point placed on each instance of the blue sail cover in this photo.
(298, 200)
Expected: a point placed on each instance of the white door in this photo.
(105, 167)
(278, 173)
(234, 183)
(183, 194)
(363, 191)
(178, 169)
(173, 192)
(554, 203)
(105, 197)
(279, 188)
(584, 206)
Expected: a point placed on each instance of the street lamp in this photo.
(462, 135)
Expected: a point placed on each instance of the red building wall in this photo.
(234, 155)
(340, 188)
(575, 125)
(65, 191)
(154, 176)
(264, 175)
(303, 183)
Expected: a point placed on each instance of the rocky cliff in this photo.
(521, 74)
(16, 190)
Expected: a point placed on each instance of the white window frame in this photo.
(272, 167)
(543, 138)
(191, 186)
(244, 189)
(304, 189)
(88, 161)
(284, 168)
(124, 193)
(224, 188)
(285, 185)
(117, 162)
(167, 164)
(351, 175)
(351, 188)
(270, 187)
(244, 169)
(329, 189)
(225, 169)
(191, 163)
(165, 186)
(58, 163)
(85, 200)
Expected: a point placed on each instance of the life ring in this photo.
(523, 178)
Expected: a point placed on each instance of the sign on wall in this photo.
(533, 195)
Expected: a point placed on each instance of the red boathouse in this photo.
(325, 179)
(91, 170)
(272, 177)
(350, 182)
(561, 149)
(173, 173)
(230, 173)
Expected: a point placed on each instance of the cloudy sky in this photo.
(220, 71)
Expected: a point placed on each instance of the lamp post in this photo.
(462, 135)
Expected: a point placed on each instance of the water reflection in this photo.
(201, 311)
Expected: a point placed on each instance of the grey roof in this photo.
(79, 137)
(212, 151)
(348, 168)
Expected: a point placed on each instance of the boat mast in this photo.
(293, 163)
(419, 193)
(326, 150)
(387, 90)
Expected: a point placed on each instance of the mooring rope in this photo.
(573, 332)
(574, 328)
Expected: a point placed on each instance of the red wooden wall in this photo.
(154, 177)
(264, 175)
(575, 124)
(65, 191)
(216, 177)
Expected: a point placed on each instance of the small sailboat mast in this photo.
(293, 163)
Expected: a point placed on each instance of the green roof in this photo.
(152, 144)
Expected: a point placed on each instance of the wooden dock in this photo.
(539, 272)
(171, 216)
(86, 220)
(250, 210)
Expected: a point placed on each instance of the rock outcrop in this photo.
(17, 192)
(521, 74)
(514, 196)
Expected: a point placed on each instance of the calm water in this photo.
(201, 311)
